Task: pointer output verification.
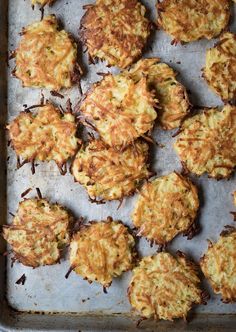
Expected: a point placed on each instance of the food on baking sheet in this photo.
(120, 109)
(219, 265)
(172, 96)
(115, 31)
(108, 174)
(46, 56)
(44, 134)
(101, 251)
(165, 287)
(38, 233)
(220, 69)
(207, 142)
(42, 2)
(166, 207)
(190, 20)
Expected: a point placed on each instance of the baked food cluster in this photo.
(113, 160)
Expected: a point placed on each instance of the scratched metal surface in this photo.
(46, 288)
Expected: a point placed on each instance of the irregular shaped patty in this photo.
(38, 232)
(172, 96)
(44, 135)
(220, 69)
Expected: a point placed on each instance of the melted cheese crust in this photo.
(120, 109)
(38, 232)
(108, 174)
(164, 287)
(165, 207)
(219, 266)
(172, 96)
(115, 31)
(220, 70)
(207, 142)
(101, 251)
(190, 20)
(46, 57)
(45, 135)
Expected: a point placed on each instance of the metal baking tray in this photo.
(48, 301)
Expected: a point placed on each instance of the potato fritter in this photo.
(38, 232)
(42, 2)
(219, 265)
(172, 96)
(165, 287)
(190, 20)
(166, 207)
(108, 174)
(46, 57)
(207, 142)
(44, 135)
(102, 250)
(120, 109)
(115, 31)
(220, 70)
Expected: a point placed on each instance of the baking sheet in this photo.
(46, 288)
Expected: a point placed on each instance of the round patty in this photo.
(102, 250)
(166, 207)
(108, 174)
(207, 142)
(46, 57)
(189, 20)
(219, 265)
(165, 287)
(115, 31)
(120, 109)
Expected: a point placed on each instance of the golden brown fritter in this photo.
(115, 31)
(102, 250)
(38, 232)
(44, 135)
(166, 207)
(207, 142)
(42, 2)
(46, 57)
(108, 174)
(189, 20)
(220, 69)
(165, 287)
(120, 109)
(172, 96)
(219, 265)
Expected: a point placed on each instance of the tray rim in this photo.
(13, 320)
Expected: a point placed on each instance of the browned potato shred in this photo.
(115, 31)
